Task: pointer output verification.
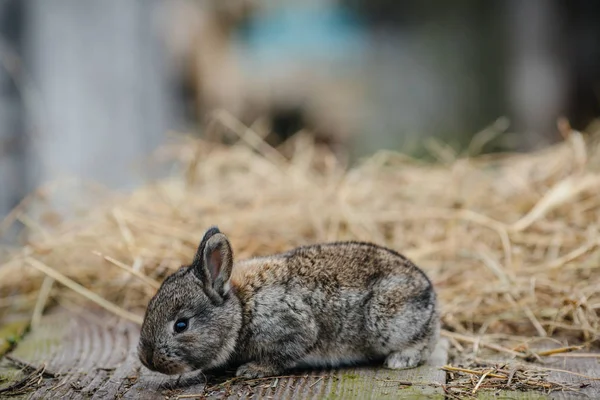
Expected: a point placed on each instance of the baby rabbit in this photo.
(321, 305)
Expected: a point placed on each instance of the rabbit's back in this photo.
(331, 265)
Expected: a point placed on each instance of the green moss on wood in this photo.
(41, 342)
(11, 334)
(358, 386)
(350, 376)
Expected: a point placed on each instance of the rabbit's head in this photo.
(193, 321)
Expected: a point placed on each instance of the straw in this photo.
(510, 241)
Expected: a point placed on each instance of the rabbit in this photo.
(322, 305)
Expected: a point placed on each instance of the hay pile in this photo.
(511, 242)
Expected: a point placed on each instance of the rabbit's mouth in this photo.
(167, 367)
(173, 369)
(158, 362)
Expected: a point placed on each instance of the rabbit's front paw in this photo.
(254, 370)
(408, 358)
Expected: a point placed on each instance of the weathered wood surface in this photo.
(93, 355)
(588, 389)
(585, 366)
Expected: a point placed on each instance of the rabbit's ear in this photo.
(218, 258)
(198, 265)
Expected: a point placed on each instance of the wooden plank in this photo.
(79, 353)
(585, 366)
(92, 354)
(372, 382)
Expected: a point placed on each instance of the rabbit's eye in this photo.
(181, 325)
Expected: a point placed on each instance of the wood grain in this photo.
(585, 366)
(92, 354)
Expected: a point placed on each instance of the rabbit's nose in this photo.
(157, 361)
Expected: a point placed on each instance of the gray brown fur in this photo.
(322, 305)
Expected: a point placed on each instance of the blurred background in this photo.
(89, 88)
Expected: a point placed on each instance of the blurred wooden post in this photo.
(537, 76)
(12, 175)
(103, 82)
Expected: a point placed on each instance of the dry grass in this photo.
(511, 241)
(466, 382)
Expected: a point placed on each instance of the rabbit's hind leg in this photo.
(417, 353)
(402, 323)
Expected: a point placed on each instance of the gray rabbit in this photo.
(322, 305)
